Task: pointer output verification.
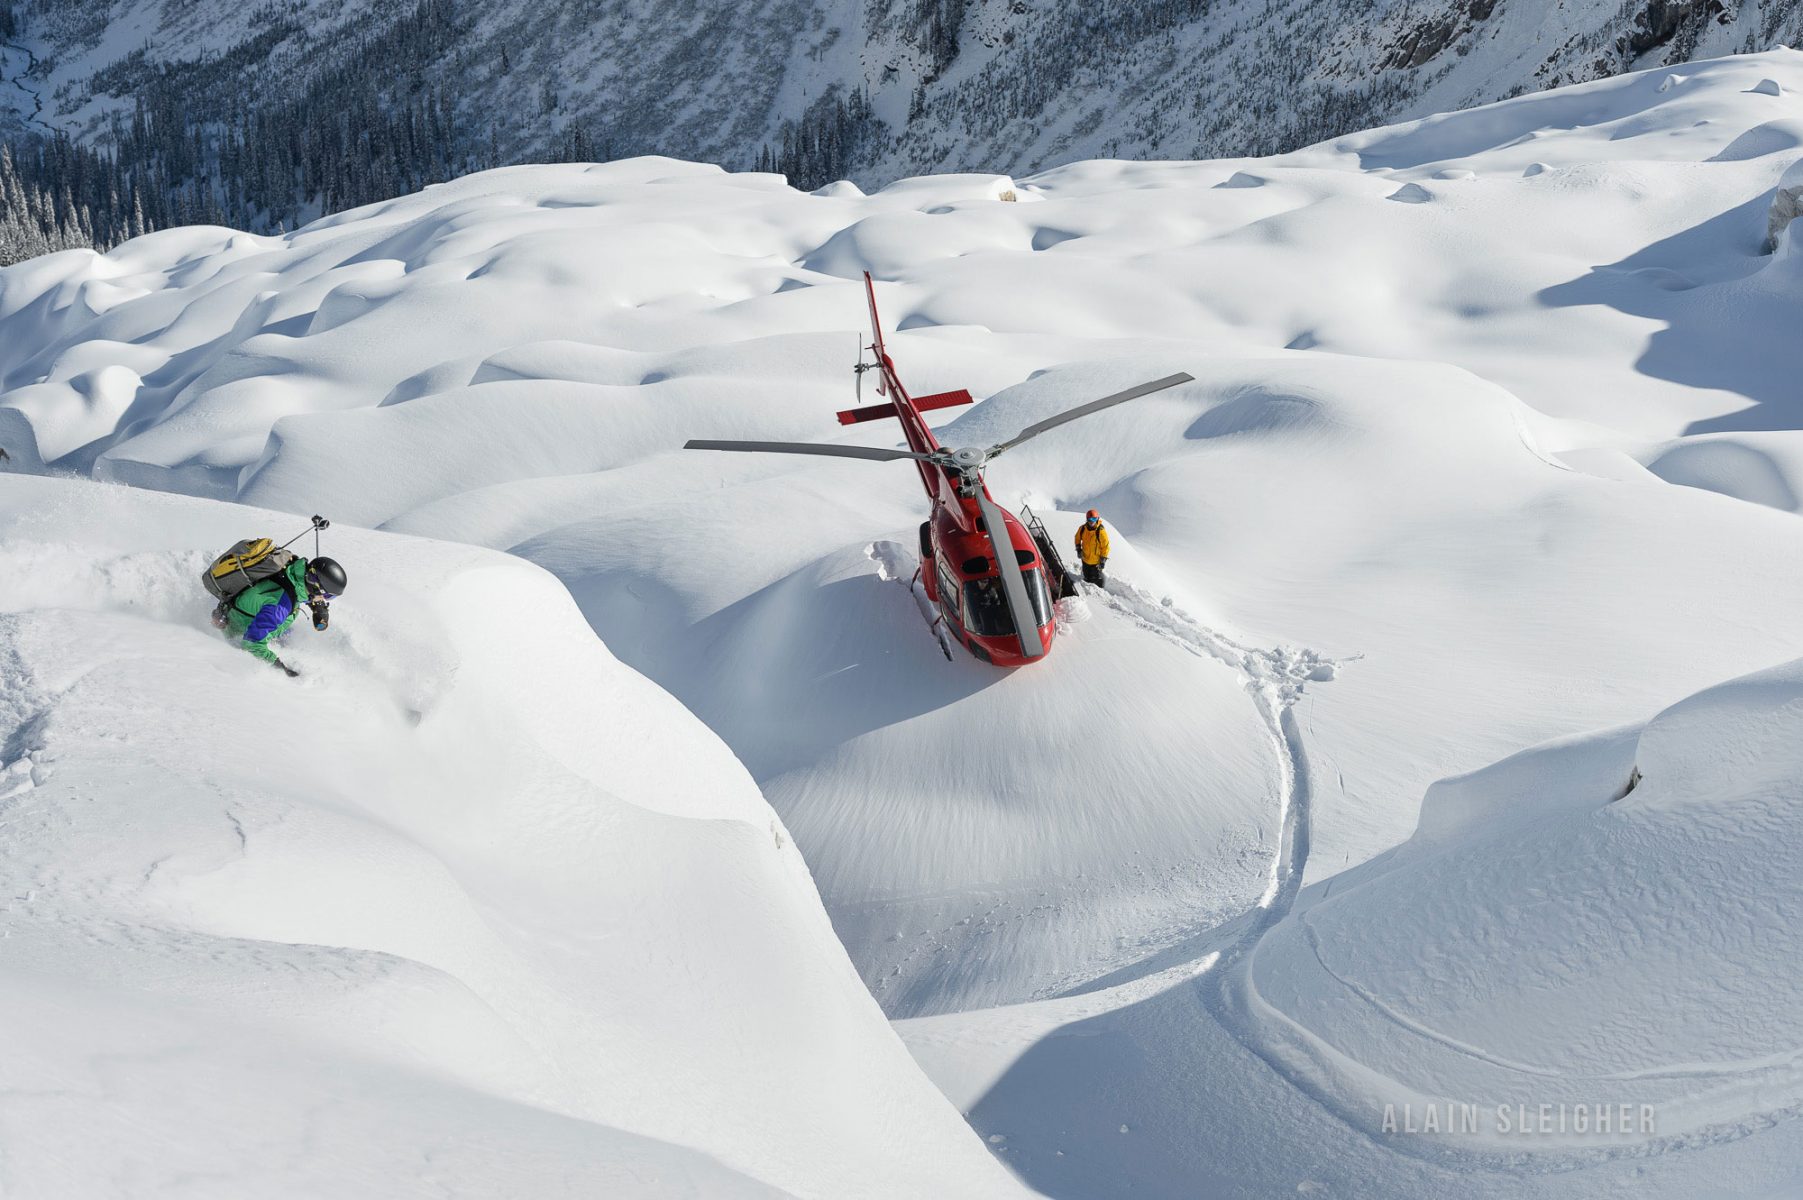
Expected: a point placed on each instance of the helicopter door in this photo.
(948, 593)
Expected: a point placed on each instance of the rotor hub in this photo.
(969, 458)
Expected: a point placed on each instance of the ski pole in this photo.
(318, 524)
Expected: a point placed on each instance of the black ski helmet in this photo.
(326, 575)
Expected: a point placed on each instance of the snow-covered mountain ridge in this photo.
(1492, 457)
(993, 85)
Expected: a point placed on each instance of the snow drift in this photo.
(1549, 944)
(1653, 934)
(471, 910)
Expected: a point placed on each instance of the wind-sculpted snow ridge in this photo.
(471, 909)
(1644, 882)
(1677, 898)
(1493, 421)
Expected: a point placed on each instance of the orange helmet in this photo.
(1092, 513)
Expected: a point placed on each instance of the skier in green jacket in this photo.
(264, 611)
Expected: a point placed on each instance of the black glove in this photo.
(219, 619)
(1100, 563)
(287, 670)
(322, 616)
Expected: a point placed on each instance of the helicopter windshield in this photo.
(986, 608)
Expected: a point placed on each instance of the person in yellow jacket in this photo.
(1092, 548)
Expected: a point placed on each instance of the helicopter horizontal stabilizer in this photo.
(876, 412)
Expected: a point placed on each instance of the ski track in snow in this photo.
(1769, 1065)
(1309, 1064)
(1276, 678)
(1263, 1030)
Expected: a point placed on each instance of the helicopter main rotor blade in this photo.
(874, 453)
(1014, 587)
(1083, 410)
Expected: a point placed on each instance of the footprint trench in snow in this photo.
(1275, 679)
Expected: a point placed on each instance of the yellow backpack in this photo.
(248, 562)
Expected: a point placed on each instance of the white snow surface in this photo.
(471, 910)
(1543, 947)
(1494, 442)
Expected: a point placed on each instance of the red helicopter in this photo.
(998, 604)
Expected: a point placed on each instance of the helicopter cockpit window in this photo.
(986, 608)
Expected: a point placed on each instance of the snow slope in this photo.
(471, 910)
(1541, 940)
(1464, 469)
